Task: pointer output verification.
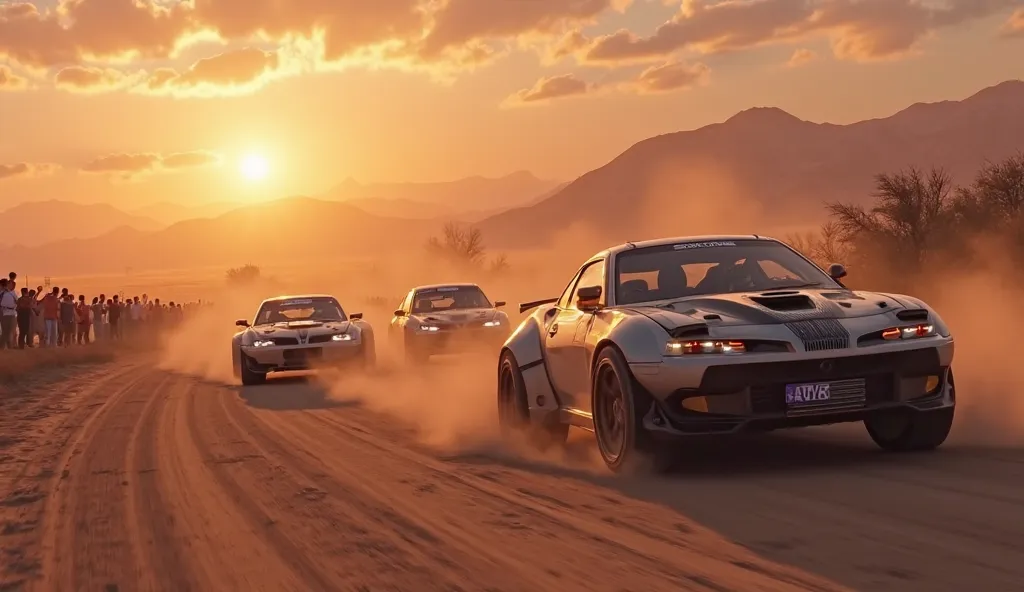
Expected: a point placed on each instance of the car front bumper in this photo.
(751, 396)
(301, 357)
(446, 341)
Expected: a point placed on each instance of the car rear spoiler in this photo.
(525, 306)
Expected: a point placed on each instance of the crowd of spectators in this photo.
(60, 318)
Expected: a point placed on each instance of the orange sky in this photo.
(137, 101)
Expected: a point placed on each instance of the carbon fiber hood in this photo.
(768, 308)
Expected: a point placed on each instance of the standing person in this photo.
(114, 318)
(51, 317)
(38, 324)
(67, 320)
(8, 315)
(83, 314)
(97, 319)
(100, 324)
(25, 305)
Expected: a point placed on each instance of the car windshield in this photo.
(299, 309)
(670, 272)
(449, 298)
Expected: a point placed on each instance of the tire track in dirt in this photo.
(551, 543)
(38, 428)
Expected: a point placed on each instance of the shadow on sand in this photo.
(290, 393)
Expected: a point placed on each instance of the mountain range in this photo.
(759, 169)
(41, 222)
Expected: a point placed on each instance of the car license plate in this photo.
(798, 395)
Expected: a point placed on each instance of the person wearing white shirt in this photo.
(8, 315)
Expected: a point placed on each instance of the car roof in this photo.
(451, 285)
(675, 240)
(299, 297)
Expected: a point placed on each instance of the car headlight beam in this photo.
(427, 328)
(342, 337)
(263, 343)
(494, 323)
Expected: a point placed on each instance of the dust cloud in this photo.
(451, 402)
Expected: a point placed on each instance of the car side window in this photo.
(407, 303)
(593, 275)
(564, 300)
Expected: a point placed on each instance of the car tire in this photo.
(619, 404)
(913, 431)
(369, 352)
(514, 410)
(249, 377)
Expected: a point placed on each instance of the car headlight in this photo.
(705, 346)
(341, 337)
(427, 328)
(263, 343)
(494, 323)
(909, 332)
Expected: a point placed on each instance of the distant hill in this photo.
(287, 230)
(451, 198)
(762, 168)
(41, 222)
(169, 213)
(408, 208)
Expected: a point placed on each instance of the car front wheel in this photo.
(514, 410)
(909, 431)
(249, 377)
(619, 405)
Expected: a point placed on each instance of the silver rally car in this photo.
(447, 318)
(655, 341)
(300, 333)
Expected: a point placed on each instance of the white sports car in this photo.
(447, 318)
(658, 341)
(300, 333)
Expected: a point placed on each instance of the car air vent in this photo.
(785, 303)
(841, 296)
(780, 293)
(712, 317)
(913, 314)
(689, 332)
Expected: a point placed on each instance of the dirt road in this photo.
(132, 478)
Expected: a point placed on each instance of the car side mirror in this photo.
(837, 271)
(499, 304)
(242, 323)
(355, 316)
(588, 298)
(399, 313)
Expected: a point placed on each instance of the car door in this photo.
(565, 341)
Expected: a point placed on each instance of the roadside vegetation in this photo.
(463, 248)
(921, 223)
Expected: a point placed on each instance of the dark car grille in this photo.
(821, 334)
(321, 338)
(285, 341)
(736, 377)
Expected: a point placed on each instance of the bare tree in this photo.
(910, 212)
(459, 245)
(246, 274)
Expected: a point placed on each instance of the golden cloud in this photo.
(1014, 26)
(11, 81)
(550, 88)
(90, 79)
(860, 30)
(233, 72)
(801, 57)
(26, 169)
(129, 165)
(671, 76)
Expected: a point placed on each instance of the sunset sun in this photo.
(254, 167)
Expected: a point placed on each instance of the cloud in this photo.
(90, 79)
(26, 169)
(801, 57)
(671, 76)
(1014, 26)
(10, 81)
(127, 166)
(233, 72)
(550, 88)
(860, 30)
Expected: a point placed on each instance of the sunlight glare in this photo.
(254, 167)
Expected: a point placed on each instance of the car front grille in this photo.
(285, 341)
(821, 334)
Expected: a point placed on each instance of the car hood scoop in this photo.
(784, 301)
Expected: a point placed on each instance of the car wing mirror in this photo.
(588, 298)
(837, 271)
(355, 316)
(242, 323)
(499, 304)
(399, 313)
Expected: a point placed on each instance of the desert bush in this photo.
(921, 221)
(463, 247)
(246, 274)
